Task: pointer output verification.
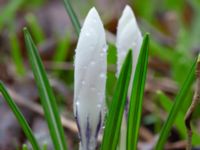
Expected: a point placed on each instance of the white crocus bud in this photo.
(128, 37)
(90, 80)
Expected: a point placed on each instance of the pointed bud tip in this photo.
(93, 9)
(93, 13)
(127, 9)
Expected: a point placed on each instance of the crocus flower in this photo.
(90, 80)
(128, 37)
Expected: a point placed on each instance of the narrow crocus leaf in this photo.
(22, 121)
(136, 100)
(116, 108)
(72, 16)
(128, 37)
(90, 80)
(46, 95)
(179, 100)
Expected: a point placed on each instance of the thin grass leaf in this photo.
(36, 29)
(9, 11)
(16, 54)
(167, 104)
(72, 16)
(44, 146)
(46, 95)
(136, 100)
(22, 121)
(62, 49)
(116, 109)
(179, 100)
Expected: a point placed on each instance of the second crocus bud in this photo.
(90, 80)
(128, 37)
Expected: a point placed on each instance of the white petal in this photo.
(90, 76)
(128, 37)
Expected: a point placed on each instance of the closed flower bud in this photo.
(128, 37)
(90, 80)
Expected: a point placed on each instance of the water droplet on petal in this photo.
(87, 34)
(83, 82)
(102, 54)
(105, 48)
(94, 20)
(98, 105)
(102, 75)
(92, 63)
(77, 103)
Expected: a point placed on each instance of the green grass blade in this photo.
(116, 109)
(72, 16)
(36, 29)
(62, 49)
(179, 100)
(22, 121)
(167, 104)
(136, 100)
(16, 54)
(9, 11)
(179, 122)
(46, 95)
(44, 146)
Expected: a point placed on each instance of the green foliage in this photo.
(46, 95)
(8, 12)
(36, 30)
(72, 16)
(167, 104)
(111, 77)
(22, 121)
(16, 54)
(175, 108)
(136, 100)
(62, 49)
(116, 109)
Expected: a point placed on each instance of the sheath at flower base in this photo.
(90, 80)
(128, 37)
